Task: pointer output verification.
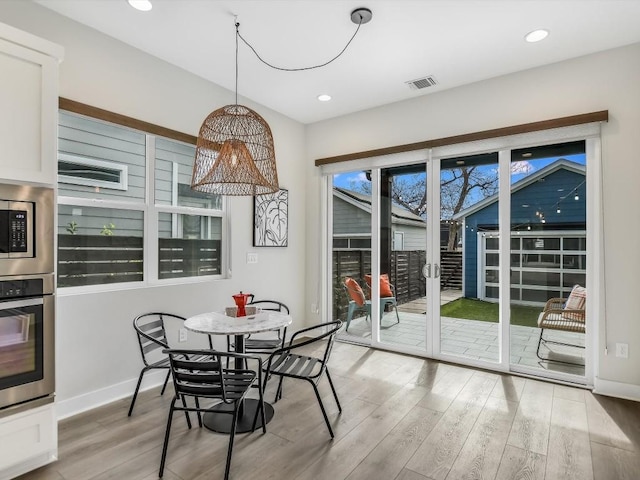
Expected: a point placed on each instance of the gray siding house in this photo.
(352, 223)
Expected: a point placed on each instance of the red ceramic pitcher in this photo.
(241, 302)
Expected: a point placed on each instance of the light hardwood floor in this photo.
(403, 418)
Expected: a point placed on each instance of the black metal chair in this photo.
(152, 339)
(261, 344)
(287, 362)
(200, 374)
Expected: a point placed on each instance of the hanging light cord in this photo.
(289, 69)
(237, 35)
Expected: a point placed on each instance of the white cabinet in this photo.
(28, 154)
(29, 100)
(29, 440)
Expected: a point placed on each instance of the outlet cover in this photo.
(622, 350)
(252, 258)
(182, 335)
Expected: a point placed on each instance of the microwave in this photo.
(16, 229)
(26, 229)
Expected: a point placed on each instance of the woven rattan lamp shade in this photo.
(235, 154)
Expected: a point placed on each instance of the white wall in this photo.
(97, 354)
(603, 81)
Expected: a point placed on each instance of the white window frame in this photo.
(122, 169)
(150, 211)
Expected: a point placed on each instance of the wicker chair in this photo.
(556, 316)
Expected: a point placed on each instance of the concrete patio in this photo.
(472, 338)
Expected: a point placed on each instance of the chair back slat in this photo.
(148, 347)
(152, 337)
(201, 373)
(271, 305)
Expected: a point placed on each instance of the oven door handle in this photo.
(29, 302)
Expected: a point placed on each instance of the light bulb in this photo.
(577, 197)
(142, 5)
(558, 211)
(536, 35)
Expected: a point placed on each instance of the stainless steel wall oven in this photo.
(27, 295)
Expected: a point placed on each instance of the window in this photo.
(111, 210)
(88, 171)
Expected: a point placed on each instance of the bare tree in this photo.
(459, 188)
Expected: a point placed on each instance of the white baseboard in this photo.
(72, 406)
(616, 389)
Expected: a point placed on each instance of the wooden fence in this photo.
(405, 275)
(100, 259)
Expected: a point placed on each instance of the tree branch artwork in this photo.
(271, 219)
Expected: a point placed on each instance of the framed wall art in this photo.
(271, 219)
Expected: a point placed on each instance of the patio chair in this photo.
(291, 363)
(152, 339)
(270, 341)
(357, 301)
(565, 315)
(387, 295)
(200, 374)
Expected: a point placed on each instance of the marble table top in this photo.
(217, 323)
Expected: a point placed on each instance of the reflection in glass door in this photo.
(468, 277)
(548, 259)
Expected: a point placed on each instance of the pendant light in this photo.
(234, 151)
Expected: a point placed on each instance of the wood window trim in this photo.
(100, 114)
(600, 116)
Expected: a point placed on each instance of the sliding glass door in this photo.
(468, 187)
(481, 257)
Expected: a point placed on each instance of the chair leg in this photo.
(186, 412)
(541, 340)
(232, 434)
(279, 391)
(540, 343)
(324, 413)
(166, 380)
(135, 393)
(351, 309)
(198, 412)
(335, 395)
(166, 437)
(262, 416)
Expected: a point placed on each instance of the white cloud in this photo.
(521, 167)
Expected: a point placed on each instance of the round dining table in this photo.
(217, 323)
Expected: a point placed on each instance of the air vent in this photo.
(421, 83)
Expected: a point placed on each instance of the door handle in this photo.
(437, 270)
(426, 270)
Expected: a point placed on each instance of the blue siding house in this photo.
(548, 223)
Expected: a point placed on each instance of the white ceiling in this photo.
(456, 41)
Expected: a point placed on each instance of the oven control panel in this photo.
(31, 287)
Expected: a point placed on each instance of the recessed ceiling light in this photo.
(324, 97)
(142, 5)
(536, 35)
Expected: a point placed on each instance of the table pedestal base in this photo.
(221, 422)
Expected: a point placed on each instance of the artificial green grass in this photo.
(473, 309)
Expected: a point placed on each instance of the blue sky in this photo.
(521, 169)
